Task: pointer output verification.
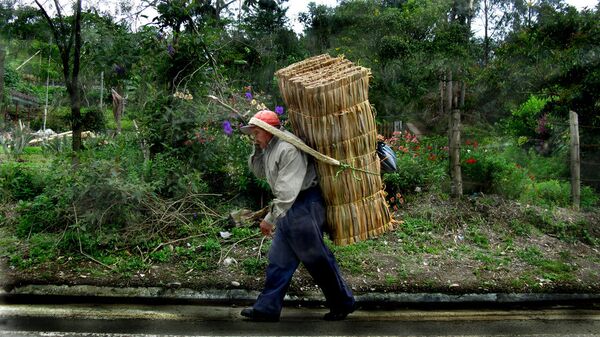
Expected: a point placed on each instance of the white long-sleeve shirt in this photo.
(287, 170)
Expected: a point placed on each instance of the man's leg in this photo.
(308, 244)
(325, 271)
(282, 265)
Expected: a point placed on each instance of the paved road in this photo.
(120, 320)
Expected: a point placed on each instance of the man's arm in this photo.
(292, 169)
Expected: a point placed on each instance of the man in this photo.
(298, 212)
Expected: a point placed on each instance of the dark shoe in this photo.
(338, 315)
(258, 316)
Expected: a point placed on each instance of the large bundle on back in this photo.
(328, 106)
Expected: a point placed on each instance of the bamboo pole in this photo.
(575, 160)
(294, 141)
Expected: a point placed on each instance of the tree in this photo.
(265, 16)
(271, 44)
(318, 25)
(22, 22)
(109, 48)
(67, 36)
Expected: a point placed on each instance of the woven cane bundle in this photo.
(328, 106)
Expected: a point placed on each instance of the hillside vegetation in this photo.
(147, 198)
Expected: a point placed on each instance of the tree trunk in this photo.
(2, 56)
(486, 38)
(463, 89)
(76, 93)
(441, 103)
(449, 93)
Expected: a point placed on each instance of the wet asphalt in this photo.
(58, 316)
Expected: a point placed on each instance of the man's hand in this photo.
(266, 228)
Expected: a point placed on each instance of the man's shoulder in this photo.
(284, 146)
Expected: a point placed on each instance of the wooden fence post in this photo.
(456, 188)
(575, 160)
(118, 105)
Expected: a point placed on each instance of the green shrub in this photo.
(166, 174)
(42, 248)
(101, 192)
(547, 193)
(406, 179)
(555, 193)
(58, 119)
(163, 255)
(524, 120)
(420, 163)
(41, 214)
(488, 172)
(108, 193)
(222, 159)
(93, 119)
(554, 166)
(211, 246)
(21, 181)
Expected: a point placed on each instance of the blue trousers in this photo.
(299, 238)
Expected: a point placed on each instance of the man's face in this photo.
(261, 137)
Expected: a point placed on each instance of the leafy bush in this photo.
(41, 214)
(539, 166)
(488, 172)
(112, 198)
(58, 119)
(101, 191)
(420, 163)
(21, 181)
(555, 193)
(524, 120)
(93, 119)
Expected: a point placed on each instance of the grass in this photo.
(353, 257)
(475, 235)
(520, 228)
(478, 242)
(416, 236)
(548, 269)
(492, 261)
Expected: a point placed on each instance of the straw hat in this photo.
(266, 116)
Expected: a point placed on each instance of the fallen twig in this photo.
(260, 247)
(171, 242)
(221, 258)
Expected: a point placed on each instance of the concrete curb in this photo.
(243, 296)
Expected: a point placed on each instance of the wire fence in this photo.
(586, 162)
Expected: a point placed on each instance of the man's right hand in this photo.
(266, 228)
